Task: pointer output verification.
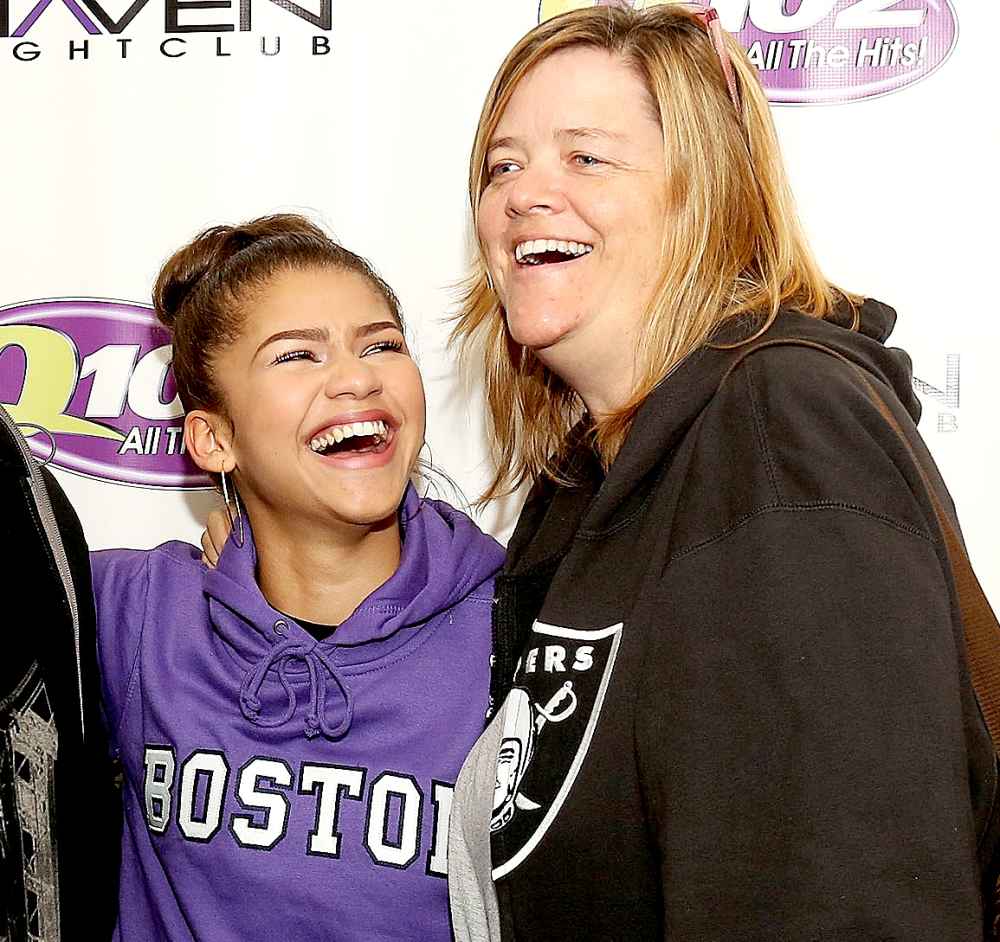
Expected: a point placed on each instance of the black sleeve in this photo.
(800, 736)
(88, 800)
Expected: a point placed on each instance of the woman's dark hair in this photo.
(201, 289)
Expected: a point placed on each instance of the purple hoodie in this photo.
(277, 787)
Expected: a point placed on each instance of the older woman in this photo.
(731, 693)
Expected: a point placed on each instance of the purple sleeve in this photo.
(121, 583)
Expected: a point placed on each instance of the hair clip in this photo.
(713, 25)
(709, 17)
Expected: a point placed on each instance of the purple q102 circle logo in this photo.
(89, 383)
(810, 52)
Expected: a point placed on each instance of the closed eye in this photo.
(289, 355)
(382, 346)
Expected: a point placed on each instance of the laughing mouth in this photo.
(549, 251)
(352, 438)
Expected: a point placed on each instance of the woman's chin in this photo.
(538, 332)
(363, 507)
(364, 511)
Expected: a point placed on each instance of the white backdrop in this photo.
(110, 163)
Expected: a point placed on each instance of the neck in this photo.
(319, 573)
(602, 375)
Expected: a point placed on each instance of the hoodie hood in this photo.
(598, 504)
(445, 557)
(865, 346)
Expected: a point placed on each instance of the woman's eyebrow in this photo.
(499, 142)
(573, 134)
(316, 334)
(375, 327)
(599, 133)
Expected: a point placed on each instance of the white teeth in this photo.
(536, 246)
(338, 433)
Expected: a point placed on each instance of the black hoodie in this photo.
(740, 708)
(60, 816)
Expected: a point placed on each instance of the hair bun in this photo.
(211, 250)
(185, 269)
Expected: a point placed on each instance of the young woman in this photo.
(730, 666)
(291, 723)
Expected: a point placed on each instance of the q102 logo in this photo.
(810, 52)
(88, 381)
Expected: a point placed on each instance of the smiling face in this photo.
(572, 217)
(325, 405)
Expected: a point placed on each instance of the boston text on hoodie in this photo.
(735, 698)
(277, 786)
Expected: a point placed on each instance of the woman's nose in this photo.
(538, 190)
(352, 377)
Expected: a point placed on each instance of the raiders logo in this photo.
(549, 719)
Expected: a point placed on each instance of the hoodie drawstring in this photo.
(316, 719)
(314, 658)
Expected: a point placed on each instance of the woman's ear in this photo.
(207, 437)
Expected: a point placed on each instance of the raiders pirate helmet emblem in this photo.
(523, 721)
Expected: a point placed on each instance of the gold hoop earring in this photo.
(238, 518)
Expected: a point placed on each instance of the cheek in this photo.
(407, 387)
(490, 222)
(267, 413)
(642, 224)
(419, 405)
(276, 403)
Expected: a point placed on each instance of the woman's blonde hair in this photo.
(734, 244)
